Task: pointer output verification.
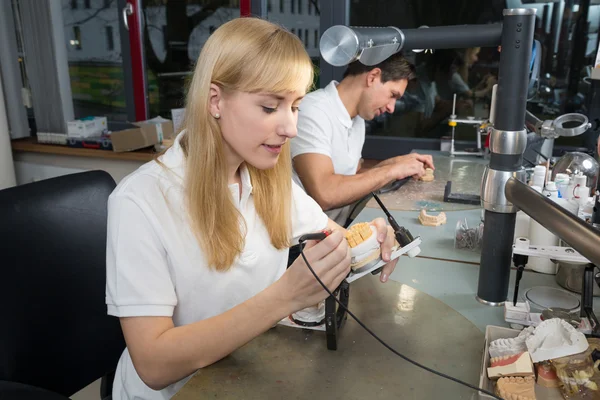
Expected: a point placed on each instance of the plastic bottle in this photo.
(580, 191)
(521, 225)
(551, 190)
(540, 236)
(586, 210)
(562, 183)
(539, 176)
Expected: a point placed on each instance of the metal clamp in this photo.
(492, 190)
(508, 142)
(552, 129)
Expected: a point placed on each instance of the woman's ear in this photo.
(215, 97)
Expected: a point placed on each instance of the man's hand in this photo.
(423, 158)
(412, 164)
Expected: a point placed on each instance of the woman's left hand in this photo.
(387, 240)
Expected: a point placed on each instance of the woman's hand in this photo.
(329, 258)
(387, 240)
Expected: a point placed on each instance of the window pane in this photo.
(175, 32)
(94, 57)
(290, 15)
(470, 73)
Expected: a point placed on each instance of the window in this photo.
(301, 25)
(110, 40)
(86, 4)
(96, 72)
(76, 42)
(269, 6)
(171, 52)
(73, 4)
(316, 38)
(309, 7)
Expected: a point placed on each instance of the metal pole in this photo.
(564, 224)
(507, 144)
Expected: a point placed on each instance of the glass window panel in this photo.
(300, 23)
(175, 32)
(93, 45)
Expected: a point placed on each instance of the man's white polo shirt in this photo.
(155, 266)
(325, 127)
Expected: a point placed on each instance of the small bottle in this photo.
(521, 225)
(551, 191)
(540, 236)
(586, 210)
(539, 176)
(580, 191)
(562, 183)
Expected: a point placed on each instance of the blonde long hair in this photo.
(249, 55)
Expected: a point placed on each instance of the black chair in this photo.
(55, 335)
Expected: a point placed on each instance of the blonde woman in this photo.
(198, 241)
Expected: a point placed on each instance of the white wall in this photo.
(7, 172)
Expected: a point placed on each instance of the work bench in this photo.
(426, 311)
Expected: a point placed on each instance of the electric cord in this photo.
(390, 348)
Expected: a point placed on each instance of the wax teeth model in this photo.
(516, 388)
(364, 246)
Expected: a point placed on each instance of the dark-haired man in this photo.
(327, 152)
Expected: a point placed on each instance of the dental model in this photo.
(428, 177)
(547, 375)
(555, 338)
(512, 346)
(432, 220)
(364, 247)
(516, 365)
(516, 388)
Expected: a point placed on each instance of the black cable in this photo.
(387, 345)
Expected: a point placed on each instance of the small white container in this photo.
(539, 176)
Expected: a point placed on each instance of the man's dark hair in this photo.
(394, 68)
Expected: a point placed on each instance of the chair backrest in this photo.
(54, 330)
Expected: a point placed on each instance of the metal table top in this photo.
(294, 363)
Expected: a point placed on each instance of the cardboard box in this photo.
(496, 332)
(142, 134)
(87, 127)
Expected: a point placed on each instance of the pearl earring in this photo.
(217, 115)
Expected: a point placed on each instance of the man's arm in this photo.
(332, 190)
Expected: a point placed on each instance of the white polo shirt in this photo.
(325, 127)
(155, 266)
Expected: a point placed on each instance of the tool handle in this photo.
(314, 236)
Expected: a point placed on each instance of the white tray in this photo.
(497, 332)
